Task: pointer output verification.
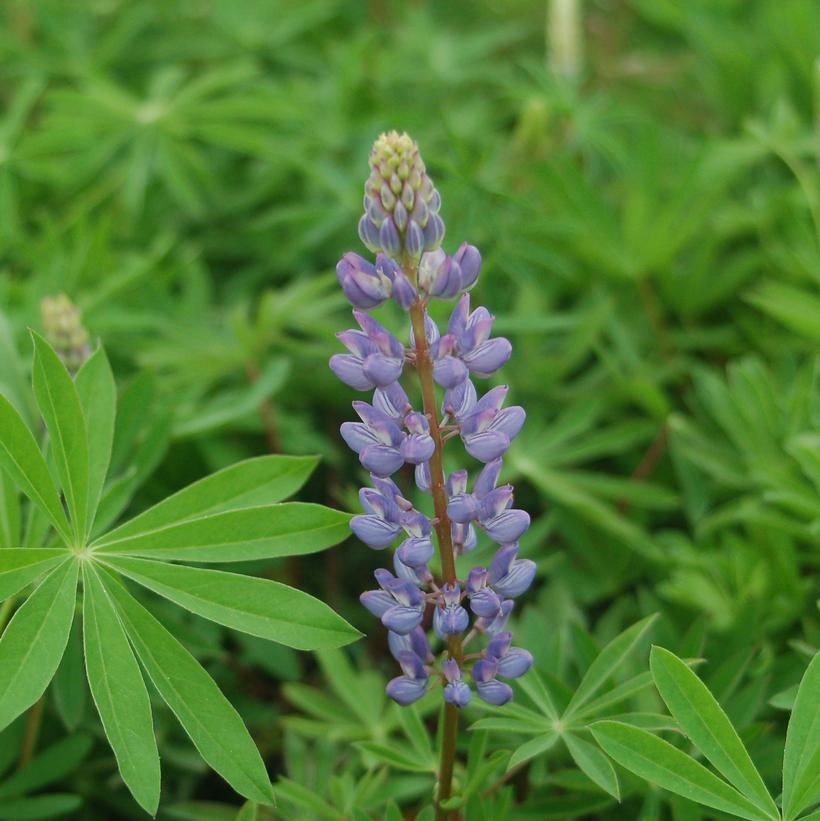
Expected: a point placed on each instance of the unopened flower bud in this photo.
(63, 326)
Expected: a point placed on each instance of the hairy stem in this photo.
(424, 366)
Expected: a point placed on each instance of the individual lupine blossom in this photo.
(64, 329)
(402, 226)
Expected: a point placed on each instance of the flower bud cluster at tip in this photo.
(401, 221)
(64, 329)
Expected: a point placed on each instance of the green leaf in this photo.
(10, 518)
(594, 763)
(703, 720)
(289, 529)
(247, 812)
(98, 399)
(259, 481)
(39, 807)
(261, 607)
(606, 663)
(657, 761)
(207, 716)
(24, 463)
(396, 757)
(70, 688)
(532, 748)
(535, 688)
(60, 405)
(34, 642)
(20, 566)
(801, 759)
(119, 693)
(52, 764)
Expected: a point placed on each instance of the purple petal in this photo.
(463, 508)
(449, 371)
(374, 531)
(458, 693)
(502, 562)
(401, 619)
(392, 401)
(414, 239)
(389, 238)
(469, 258)
(404, 690)
(418, 448)
(495, 692)
(487, 446)
(381, 370)
(423, 478)
(488, 357)
(509, 420)
(485, 603)
(358, 436)
(486, 481)
(460, 400)
(378, 602)
(411, 665)
(348, 368)
(416, 552)
(518, 580)
(383, 460)
(369, 233)
(515, 663)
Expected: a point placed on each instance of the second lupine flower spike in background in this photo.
(402, 226)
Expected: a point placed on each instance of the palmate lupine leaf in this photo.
(20, 567)
(266, 532)
(24, 463)
(119, 693)
(98, 399)
(801, 759)
(262, 480)
(213, 725)
(659, 762)
(232, 516)
(34, 641)
(60, 405)
(261, 607)
(702, 719)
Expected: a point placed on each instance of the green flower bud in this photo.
(401, 203)
(63, 326)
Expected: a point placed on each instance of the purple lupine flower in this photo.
(512, 662)
(365, 285)
(445, 277)
(377, 439)
(412, 685)
(402, 226)
(468, 338)
(450, 618)
(376, 357)
(491, 507)
(494, 626)
(488, 687)
(415, 641)
(510, 576)
(484, 426)
(399, 603)
(456, 691)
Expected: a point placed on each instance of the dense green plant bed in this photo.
(181, 630)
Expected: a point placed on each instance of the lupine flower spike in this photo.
(402, 227)
(64, 329)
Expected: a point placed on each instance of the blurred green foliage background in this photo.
(641, 177)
